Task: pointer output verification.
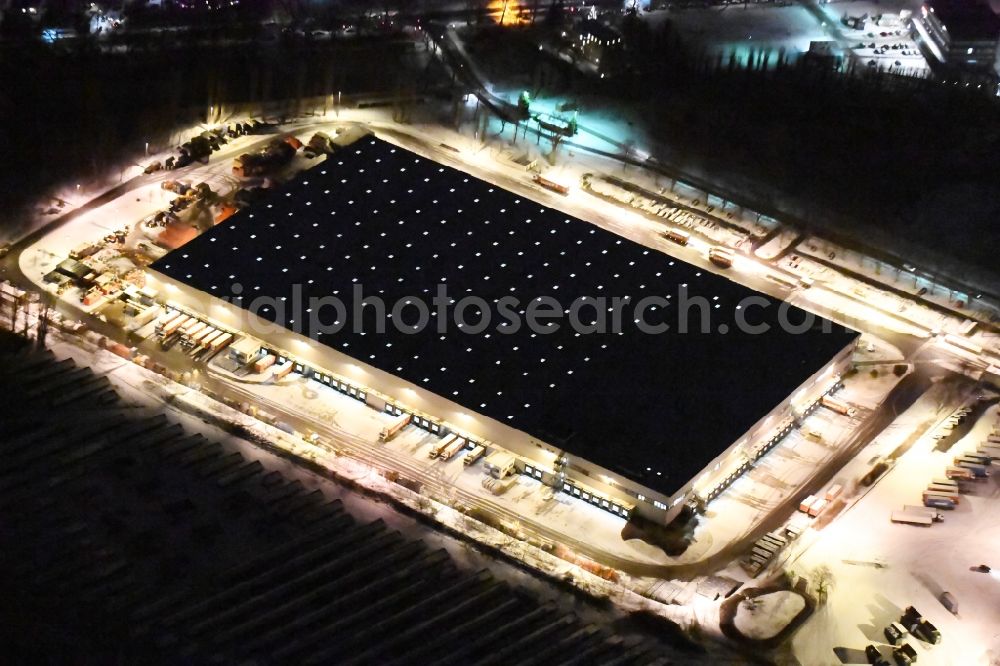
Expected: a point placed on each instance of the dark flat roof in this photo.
(655, 408)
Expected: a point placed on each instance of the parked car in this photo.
(153, 167)
(904, 654)
(875, 657)
(927, 632)
(894, 633)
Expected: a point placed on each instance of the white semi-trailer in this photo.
(391, 430)
(912, 518)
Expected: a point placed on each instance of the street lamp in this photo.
(147, 149)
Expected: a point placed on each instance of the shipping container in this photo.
(448, 452)
(836, 405)
(221, 341)
(720, 257)
(950, 493)
(175, 324)
(264, 363)
(959, 473)
(436, 449)
(817, 507)
(677, 236)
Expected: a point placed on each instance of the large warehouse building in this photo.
(625, 418)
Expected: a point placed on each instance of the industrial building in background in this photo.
(961, 33)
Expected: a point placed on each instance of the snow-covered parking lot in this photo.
(879, 568)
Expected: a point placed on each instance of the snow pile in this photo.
(765, 616)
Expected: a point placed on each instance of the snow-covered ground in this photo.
(765, 616)
(353, 419)
(787, 467)
(879, 567)
(900, 278)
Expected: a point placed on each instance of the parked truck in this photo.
(438, 448)
(904, 654)
(945, 490)
(276, 154)
(146, 316)
(926, 631)
(165, 319)
(677, 236)
(558, 188)
(911, 518)
(978, 469)
(936, 516)
(475, 454)
(836, 405)
(894, 633)
(448, 452)
(960, 473)
(978, 458)
(938, 501)
(206, 342)
(721, 257)
(953, 496)
(171, 327)
(204, 334)
(221, 341)
(391, 430)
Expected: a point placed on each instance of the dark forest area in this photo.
(76, 115)
(908, 165)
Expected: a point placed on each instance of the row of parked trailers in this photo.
(193, 334)
(813, 505)
(945, 493)
(767, 548)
